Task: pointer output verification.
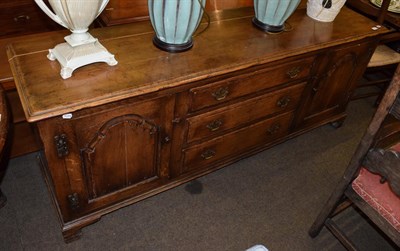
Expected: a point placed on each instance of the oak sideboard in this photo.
(113, 136)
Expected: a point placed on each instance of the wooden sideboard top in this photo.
(230, 43)
(6, 74)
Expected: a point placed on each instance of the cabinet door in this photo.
(337, 75)
(108, 154)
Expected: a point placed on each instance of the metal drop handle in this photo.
(283, 102)
(221, 93)
(208, 154)
(274, 129)
(215, 125)
(294, 72)
(21, 18)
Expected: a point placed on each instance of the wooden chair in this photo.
(384, 60)
(371, 181)
(4, 149)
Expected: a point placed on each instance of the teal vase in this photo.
(174, 22)
(270, 15)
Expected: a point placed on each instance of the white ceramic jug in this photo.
(80, 48)
(75, 16)
(324, 10)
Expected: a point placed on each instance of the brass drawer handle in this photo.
(275, 128)
(294, 72)
(21, 19)
(221, 93)
(208, 154)
(215, 125)
(283, 102)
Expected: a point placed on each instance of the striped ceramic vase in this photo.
(270, 15)
(174, 22)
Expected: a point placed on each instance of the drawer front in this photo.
(122, 11)
(245, 84)
(25, 19)
(236, 142)
(214, 122)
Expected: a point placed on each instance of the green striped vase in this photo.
(174, 22)
(270, 15)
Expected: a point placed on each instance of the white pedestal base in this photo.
(73, 57)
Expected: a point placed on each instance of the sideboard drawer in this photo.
(236, 142)
(122, 11)
(24, 19)
(248, 111)
(227, 89)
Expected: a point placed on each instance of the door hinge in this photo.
(61, 145)
(166, 139)
(73, 200)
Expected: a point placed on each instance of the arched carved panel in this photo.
(334, 83)
(336, 74)
(122, 153)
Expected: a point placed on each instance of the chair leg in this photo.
(361, 151)
(335, 230)
(3, 199)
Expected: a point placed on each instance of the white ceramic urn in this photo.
(324, 10)
(80, 48)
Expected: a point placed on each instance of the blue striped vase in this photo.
(174, 22)
(270, 15)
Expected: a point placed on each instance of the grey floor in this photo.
(270, 199)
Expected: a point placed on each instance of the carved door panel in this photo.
(123, 152)
(108, 154)
(331, 88)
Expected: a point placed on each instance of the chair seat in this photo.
(384, 55)
(379, 196)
